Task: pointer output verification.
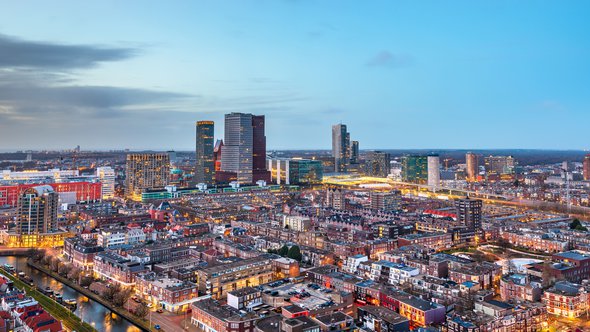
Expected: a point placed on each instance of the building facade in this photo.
(145, 171)
(205, 165)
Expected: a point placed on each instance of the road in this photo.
(170, 322)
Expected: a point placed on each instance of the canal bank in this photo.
(67, 318)
(90, 311)
(119, 311)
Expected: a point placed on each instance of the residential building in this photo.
(106, 176)
(145, 171)
(567, 299)
(374, 318)
(170, 294)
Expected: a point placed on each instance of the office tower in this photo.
(106, 176)
(497, 165)
(217, 154)
(378, 164)
(354, 152)
(586, 167)
(145, 171)
(259, 171)
(340, 148)
(205, 166)
(37, 210)
(243, 157)
(296, 171)
(472, 167)
(415, 169)
(433, 171)
(469, 213)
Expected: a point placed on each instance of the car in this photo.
(150, 305)
(160, 311)
(157, 327)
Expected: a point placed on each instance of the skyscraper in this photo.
(340, 148)
(415, 169)
(217, 155)
(145, 171)
(37, 210)
(243, 157)
(205, 166)
(354, 152)
(469, 212)
(378, 164)
(586, 167)
(472, 166)
(433, 171)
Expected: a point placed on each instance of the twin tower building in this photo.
(240, 156)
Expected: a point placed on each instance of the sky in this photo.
(401, 74)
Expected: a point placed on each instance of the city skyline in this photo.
(412, 76)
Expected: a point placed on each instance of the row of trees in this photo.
(294, 252)
(114, 294)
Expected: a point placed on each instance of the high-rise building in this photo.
(586, 167)
(385, 201)
(145, 171)
(415, 169)
(378, 164)
(106, 176)
(469, 212)
(295, 171)
(340, 148)
(243, 157)
(217, 154)
(354, 152)
(37, 210)
(205, 166)
(472, 166)
(497, 165)
(433, 171)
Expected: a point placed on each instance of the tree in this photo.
(54, 264)
(577, 225)
(35, 254)
(86, 281)
(111, 291)
(120, 298)
(295, 253)
(74, 274)
(64, 269)
(142, 310)
(283, 251)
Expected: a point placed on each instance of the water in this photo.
(88, 310)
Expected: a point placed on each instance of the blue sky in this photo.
(400, 74)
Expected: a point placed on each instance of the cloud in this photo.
(18, 53)
(385, 58)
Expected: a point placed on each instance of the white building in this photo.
(297, 223)
(111, 238)
(352, 263)
(106, 176)
(392, 273)
(433, 171)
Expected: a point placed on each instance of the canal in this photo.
(88, 310)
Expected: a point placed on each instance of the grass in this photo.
(68, 319)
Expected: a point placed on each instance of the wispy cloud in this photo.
(18, 53)
(386, 58)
